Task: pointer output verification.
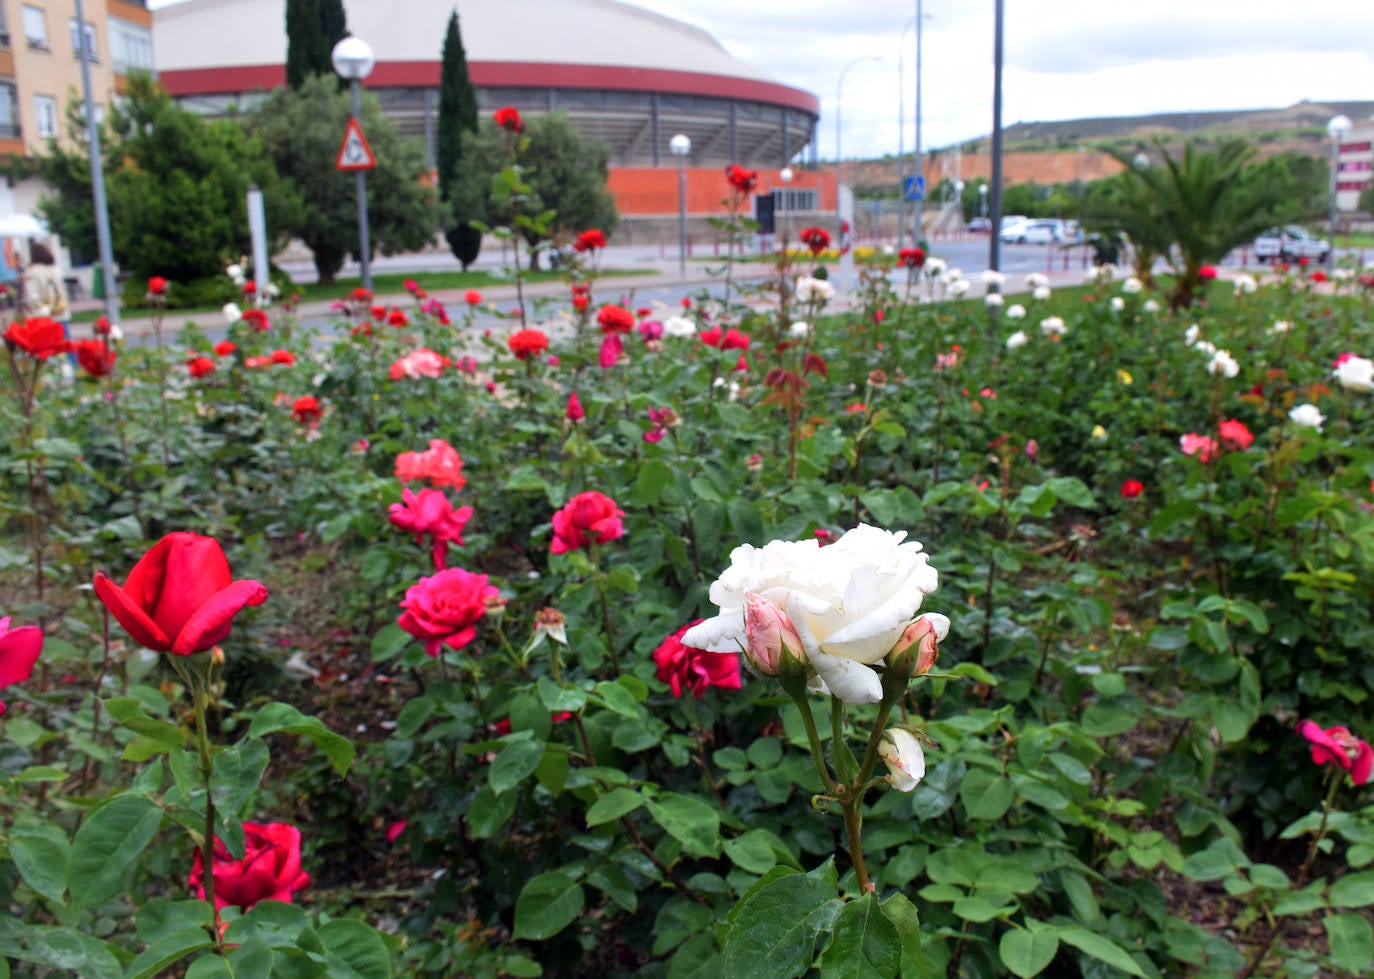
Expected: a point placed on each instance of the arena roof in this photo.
(626, 75)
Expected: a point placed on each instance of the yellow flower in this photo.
(1099, 433)
(1124, 376)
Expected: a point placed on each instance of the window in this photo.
(35, 27)
(787, 201)
(9, 111)
(45, 112)
(4, 29)
(90, 40)
(131, 46)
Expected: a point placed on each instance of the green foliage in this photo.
(300, 131)
(313, 27)
(457, 115)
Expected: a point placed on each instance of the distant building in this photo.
(1354, 167)
(624, 75)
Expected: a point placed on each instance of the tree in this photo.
(457, 115)
(301, 130)
(175, 183)
(313, 27)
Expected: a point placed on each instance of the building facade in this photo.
(1354, 167)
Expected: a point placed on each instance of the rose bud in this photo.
(918, 648)
(769, 636)
(906, 762)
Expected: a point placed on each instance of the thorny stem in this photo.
(162, 388)
(198, 685)
(605, 608)
(1335, 779)
(814, 738)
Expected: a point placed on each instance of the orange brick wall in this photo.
(645, 191)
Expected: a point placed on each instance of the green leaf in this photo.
(41, 853)
(516, 762)
(613, 805)
(986, 795)
(237, 771)
(773, 931)
(865, 943)
(558, 698)
(547, 904)
(690, 821)
(489, 812)
(161, 917)
(154, 736)
(1352, 942)
(106, 845)
(256, 958)
(354, 950)
(1217, 861)
(902, 913)
(167, 951)
(1309, 899)
(758, 851)
(389, 641)
(696, 958)
(617, 698)
(1353, 891)
(1025, 952)
(277, 718)
(1101, 948)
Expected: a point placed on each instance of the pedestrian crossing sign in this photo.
(354, 153)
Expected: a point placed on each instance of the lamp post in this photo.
(839, 82)
(681, 145)
(982, 200)
(353, 59)
(1337, 127)
(102, 211)
(785, 175)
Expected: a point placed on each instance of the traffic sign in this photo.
(915, 187)
(354, 153)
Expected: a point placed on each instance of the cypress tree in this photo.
(333, 29)
(303, 41)
(457, 115)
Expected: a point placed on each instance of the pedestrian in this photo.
(44, 292)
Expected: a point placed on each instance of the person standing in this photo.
(44, 292)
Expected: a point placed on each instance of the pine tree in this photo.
(333, 29)
(303, 41)
(457, 115)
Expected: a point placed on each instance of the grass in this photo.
(1362, 240)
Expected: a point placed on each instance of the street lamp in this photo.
(681, 145)
(982, 200)
(1336, 128)
(785, 175)
(353, 59)
(839, 220)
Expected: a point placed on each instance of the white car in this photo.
(1045, 231)
(1290, 243)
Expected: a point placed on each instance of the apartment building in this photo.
(40, 72)
(1354, 166)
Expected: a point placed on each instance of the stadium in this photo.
(626, 76)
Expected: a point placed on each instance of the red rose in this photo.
(1337, 746)
(410, 285)
(686, 668)
(615, 319)
(473, 297)
(589, 239)
(397, 317)
(731, 339)
(444, 610)
(200, 366)
(19, 649)
(1318, 276)
(225, 347)
(816, 239)
(580, 301)
(38, 336)
(257, 319)
(1207, 273)
(440, 464)
(1132, 488)
(179, 597)
(361, 295)
(740, 179)
(284, 357)
(102, 326)
(96, 357)
(509, 119)
(575, 410)
(588, 518)
(1234, 435)
(250, 288)
(254, 363)
(527, 343)
(612, 349)
(307, 409)
(429, 513)
(912, 258)
(269, 871)
(157, 286)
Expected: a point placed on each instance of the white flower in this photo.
(957, 287)
(679, 326)
(1190, 335)
(1356, 374)
(116, 334)
(232, 313)
(801, 328)
(272, 289)
(1245, 284)
(889, 251)
(1150, 306)
(1052, 326)
(1223, 363)
(1132, 285)
(811, 290)
(994, 279)
(951, 274)
(1307, 416)
(1041, 293)
(849, 602)
(1281, 326)
(906, 762)
(235, 272)
(1118, 304)
(1206, 347)
(993, 300)
(934, 267)
(1016, 312)
(1037, 279)
(1343, 275)
(1017, 339)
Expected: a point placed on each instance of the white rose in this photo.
(1356, 374)
(1016, 312)
(935, 267)
(1223, 363)
(1245, 284)
(849, 602)
(958, 287)
(232, 313)
(1307, 416)
(1190, 335)
(801, 328)
(1041, 293)
(1017, 340)
(994, 280)
(1132, 285)
(679, 326)
(1118, 304)
(905, 760)
(993, 300)
(1150, 306)
(1037, 279)
(1281, 326)
(1052, 326)
(235, 272)
(809, 289)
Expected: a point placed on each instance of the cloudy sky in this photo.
(1064, 58)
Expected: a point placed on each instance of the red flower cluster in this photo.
(429, 513)
(731, 339)
(741, 180)
(269, 871)
(307, 409)
(1235, 435)
(257, 319)
(686, 668)
(509, 119)
(96, 357)
(38, 336)
(397, 317)
(180, 597)
(444, 610)
(615, 319)
(1206, 449)
(912, 258)
(528, 343)
(440, 465)
(588, 518)
(589, 240)
(1337, 746)
(816, 239)
(200, 366)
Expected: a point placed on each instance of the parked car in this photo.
(1045, 231)
(979, 226)
(1290, 243)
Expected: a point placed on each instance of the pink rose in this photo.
(445, 609)
(588, 518)
(429, 513)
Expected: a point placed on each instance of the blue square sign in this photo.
(915, 188)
